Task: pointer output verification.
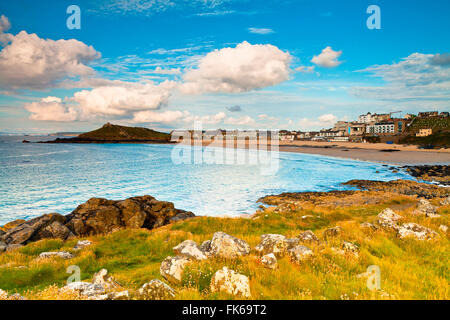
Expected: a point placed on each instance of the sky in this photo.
(247, 64)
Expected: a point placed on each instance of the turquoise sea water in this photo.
(43, 178)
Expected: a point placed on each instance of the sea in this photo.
(38, 178)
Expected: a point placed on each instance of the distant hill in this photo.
(111, 133)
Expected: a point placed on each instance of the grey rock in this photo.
(308, 237)
(228, 247)
(172, 268)
(57, 254)
(299, 253)
(156, 290)
(190, 249)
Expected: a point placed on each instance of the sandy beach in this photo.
(376, 152)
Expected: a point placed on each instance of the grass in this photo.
(410, 269)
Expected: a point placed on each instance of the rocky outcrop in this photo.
(96, 216)
(272, 243)
(231, 282)
(99, 216)
(172, 268)
(156, 290)
(82, 244)
(224, 246)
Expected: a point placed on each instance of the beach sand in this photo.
(376, 152)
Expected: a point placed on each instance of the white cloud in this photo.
(29, 62)
(243, 68)
(304, 69)
(173, 71)
(418, 76)
(123, 100)
(117, 101)
(241, 121)
(260, 30)
(159, 117)
(51, 109)
(328, 58)
(326, 120)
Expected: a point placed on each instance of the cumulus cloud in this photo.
(243, 68)
(241, 121)
(29, 62)
(441, 59)
(159, 117)
(117, 101)
(325, 120)
(260, 30)
(173, 71)
(328, 58)
(51, 109)
(418, 76)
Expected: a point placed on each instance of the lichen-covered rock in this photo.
(3, 295)
(426, 208)
(57, 254)
(388, 219)
(272, 243)
(190, 249)
(228, 247)
(417, 231)
(299, 253)
(82, 244)
(351, 248)
(105, 280)
(308, 237)
(172, 268)
(87, 289)
(332, 232)
(269, 261)
(231, 282)
(121, 295)
(443, 228)
(156, 290)
(205, 247)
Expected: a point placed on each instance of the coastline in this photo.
(377, 152)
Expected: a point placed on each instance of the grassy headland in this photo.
(410, 268)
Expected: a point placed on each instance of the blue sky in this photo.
(286, 64)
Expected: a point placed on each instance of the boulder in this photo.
(101, 216)
(416, 231)
(12, 247)
(58, 254)
(351, 248)
(45, 226)
(308, 237)
(189, 249)
(228, 247)
(269, 261)
(272, 243)
(299, 253)
(426, 208)
(388, 219)
(121, 295)
(332, 232)
(104, 279)
(3, 295)
(89, 290)
(231, 282)
(156, 290)
(172, 268)
(442, 227)
(205, 247)
(82, 244)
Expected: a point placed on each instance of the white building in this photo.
(381, 128)
(367, 118)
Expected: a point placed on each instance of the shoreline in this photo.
(377, 152)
